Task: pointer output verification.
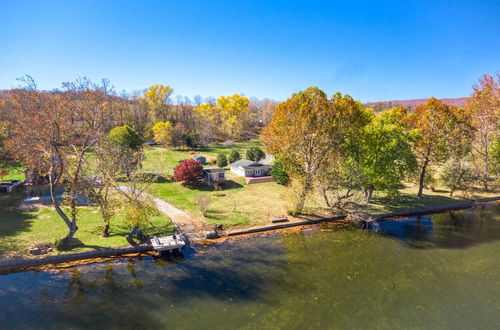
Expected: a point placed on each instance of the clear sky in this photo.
(372, 50)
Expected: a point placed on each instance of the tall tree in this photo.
(382, 155)
(436, 124)
(157, 99)
(162, 132)
(234, 111)
(306, 133)
(53, 134)
(226, 119)
(484, 106)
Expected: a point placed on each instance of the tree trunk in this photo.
(486, 161)
(368, 193)
(72, 228)
(422, 178)
(105, 231)
(303, 195)
(325, 196)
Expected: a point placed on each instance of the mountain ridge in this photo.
(456, 101)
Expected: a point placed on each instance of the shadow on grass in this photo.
(12, 221)
(405, 201)
(230, 184)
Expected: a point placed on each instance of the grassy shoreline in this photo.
(20, 229)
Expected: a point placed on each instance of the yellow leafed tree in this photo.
(162, 132)
(226, 119)
(156, 98)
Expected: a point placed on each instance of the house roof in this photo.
(247, 164)
(243, 163)
(198, 156)
(213, 170)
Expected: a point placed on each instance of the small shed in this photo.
(201, 159)
(213, 176)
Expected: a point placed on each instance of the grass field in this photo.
(237, 204)
(159, 159)
(20, 229)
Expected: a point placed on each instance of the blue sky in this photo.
(372, 50)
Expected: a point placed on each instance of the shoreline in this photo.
(12, 265)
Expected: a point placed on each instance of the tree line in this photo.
(337, 147)
(90, 140)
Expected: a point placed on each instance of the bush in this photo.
(221, 160)
(255, 154)
(234, 156)
(279, 174)
(203, 202)
(457, 174)
(189, 171)
(126, 137)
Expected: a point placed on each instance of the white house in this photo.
(248, 168)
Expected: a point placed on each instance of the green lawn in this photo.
(20, 229)
(15, 172)
(160, 159)
(237, 204)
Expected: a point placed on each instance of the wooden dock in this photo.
(168, 243)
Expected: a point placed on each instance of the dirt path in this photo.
(189, 225)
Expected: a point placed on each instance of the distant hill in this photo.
(458, 101)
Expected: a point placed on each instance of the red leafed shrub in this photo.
(189, 171)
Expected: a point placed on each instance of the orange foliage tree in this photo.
(53, 133)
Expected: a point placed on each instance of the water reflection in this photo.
(446, 230)
(314, 278)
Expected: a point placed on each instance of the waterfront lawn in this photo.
(163, 160)
(245, 205)
(238, 204)
(408, 198)
(21, 229)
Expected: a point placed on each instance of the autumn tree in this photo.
(484, 107)
(53, 134)
(188, 171)
(234, 111)
(225, 119)
(102, 180)
(208, 122)
(304, 133)
(495, 156)
(157, 99)
(162, 132)
(437, 127)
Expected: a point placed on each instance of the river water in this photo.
(434, 272)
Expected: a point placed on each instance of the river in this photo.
(435, 272)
